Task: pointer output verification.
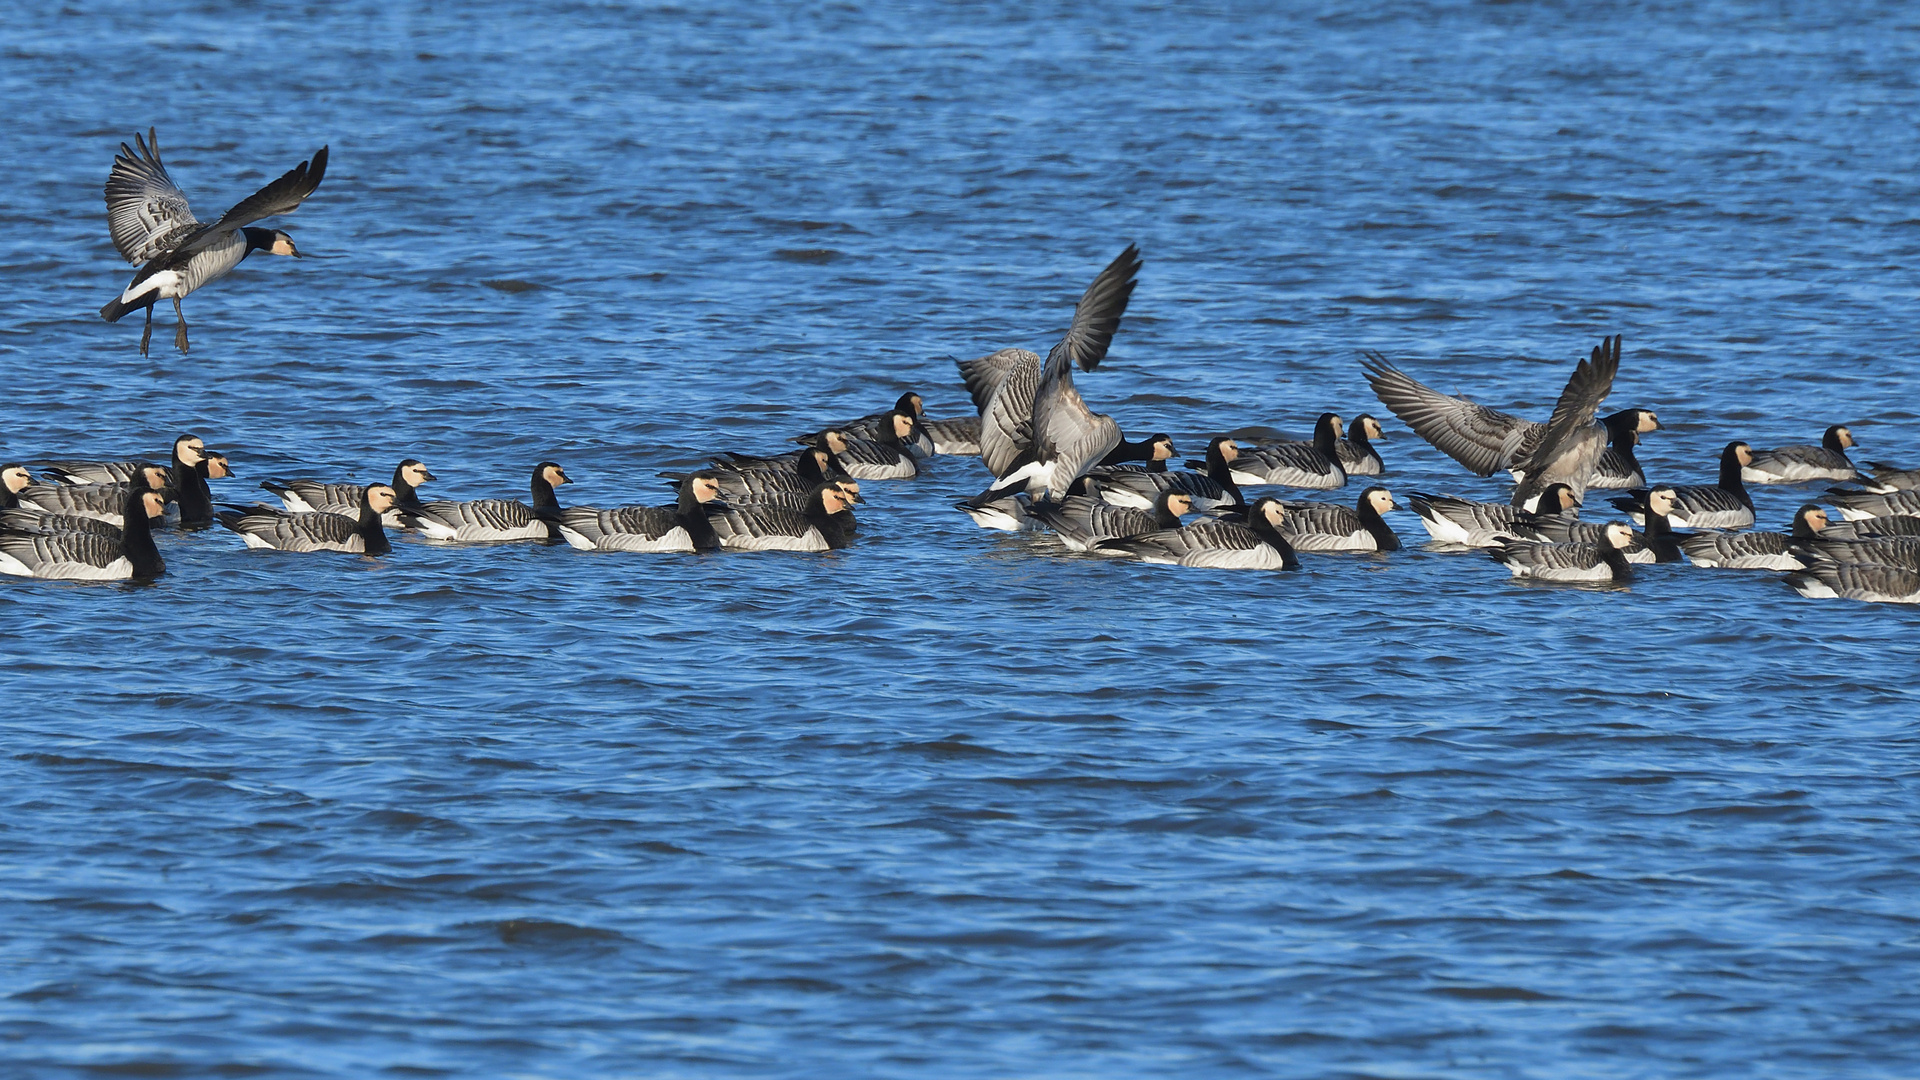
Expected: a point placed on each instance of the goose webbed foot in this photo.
(146, 336)
(179, 331)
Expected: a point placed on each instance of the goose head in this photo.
(379, 498)
(16, 477)
(1618, 535)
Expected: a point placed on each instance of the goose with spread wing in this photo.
(1035, 428)
(1566, 449)
(153, 228)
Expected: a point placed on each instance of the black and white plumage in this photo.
(1083, 522)
(1063, 438)
(496, 520)
(1760, 550)
(1006, 511)
(1657, 544)
(1454, 520)
(1212, 491)
(191, 466)
(1860, 505)
(1804, 464)
(102, 501)
(1581, 562)
(1259, 544)
(1890, 478)
(1151, 453)
(681, 527)
(1565, 449)
(827, 523)
(89, 555)
(870, 427)
(151, 224)
(1620, 467)
(326, 497)
(1356, 453)
(1725, 505)
(886, 456)
(281, 530)
(1869, 582)
(1897, 551)
(1313, 465)
(1313, 526)
(959, 435)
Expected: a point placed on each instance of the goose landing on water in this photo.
(152, 224)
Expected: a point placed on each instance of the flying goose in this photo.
(281, 530)
(1034, 425)
(1725, 505)
(495, 520)
(1802, 464)
(1760, 550)
(90, 555)
(323, 497)
(1083, 522)
(1314, 465)
(1356, 453)
(1565, 449)
(1260, 544)
(826, 523)
(151, 224)
(1312, 526)
(1454, 520)
(103, 501)
(683, 526)
(1603, 561)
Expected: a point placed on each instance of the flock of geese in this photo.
(1058, 467)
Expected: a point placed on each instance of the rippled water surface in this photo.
(950, 802)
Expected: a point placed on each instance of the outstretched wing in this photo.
(146, 213)
(1097, 315)
(1572, 422)
(1480, 438)
(283, 196)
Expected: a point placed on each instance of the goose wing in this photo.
(317, 495)
(1484, 440)
(1289, 464)
(266, 527)
(480, 519)
(1528, 556)
(1068, 437)
(984, 375)
(1854, 505)
(1572, 443)
(1172, 545)
(1097, 316)
(93, 472)
(765, 528)
(1006, 423)
(28, 520)
(1865, 581)
(103, 501)
(960, 435)
(1451, 519)
(1138, 488)
(81, 556)
(1083, 520)
(865, 459)
(1900, 551)
(147, 214)
(283, 196)
(625, 528)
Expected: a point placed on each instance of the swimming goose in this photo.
(102, 501)
(756, 481)
(870, 427)
(1860, 505)
(681, 527)
(806, 462)
(190, 468)
(1658, 544)
(1897, 551)
(1002, 510)
(495, 520)
(1312, 526)
(1453, 520)
(887, 456)
(1356, 452)
(1152, 453)
(1565, 449)
(322, 497)
(14, 479)
(1035, 425)
(1314, 465)
(151, 224)
(1083, 522)
(1725, 505)
(1260, 544)
(1618, 467)
(826, 523)
(1603, 561)
(1803, 464)
(1212, 490)
(281, 530)
(1888, 478)
(1869, 582)
(1760, 550)
(91, 556)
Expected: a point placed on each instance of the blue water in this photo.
(955, 803)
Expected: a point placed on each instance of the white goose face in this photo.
(217, 467)
(1229, 450)
(1373, 429)
(156, 477)
(1382, 501)
(1274, 513)
(380, 498)
(416, 475)
(851, 489)
(705, 489)
(1338, 424)
(1662, 500)
(1816, 520)
(1179, 505)
(155, 503)
(1743, 454)
(191, 450)
(1619, 535)
(283, 245)
(919, 406)
(17, 478)
(1648, 422)
(554, 475)
(834, 500)
(1162, 449)
(902, 426)
(1846, 438)
(837, 442)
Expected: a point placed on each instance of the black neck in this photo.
(832, 526)
(136, 538)
(191, 493)
(1659, 538)
(403, 492)
(693, 518)
(372, 531)
(1163, 515)
(1264, 530)
(1357, 436)
(1383, 535)
(1730, 477)
(1133, 451)
(258, 240)
(1220, 471)
(545, 503)
(1616, 561)
(1324, 438)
